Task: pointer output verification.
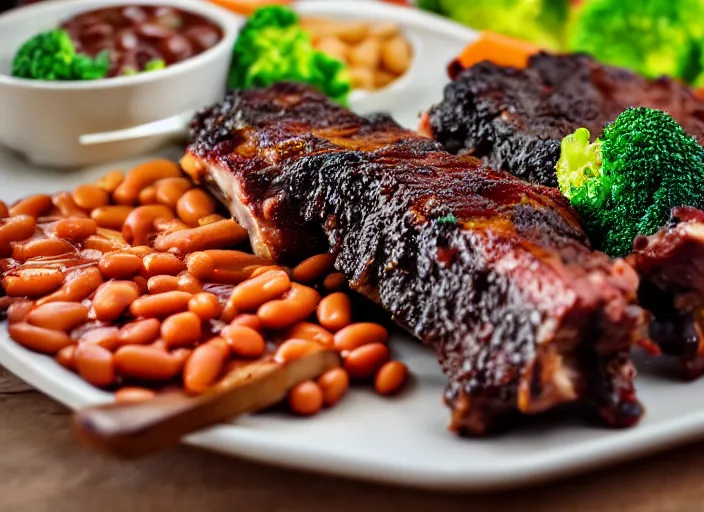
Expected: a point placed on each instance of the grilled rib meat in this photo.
(671, 266)
(492, 272)
(514, 119)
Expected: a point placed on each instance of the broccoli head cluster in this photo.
(52, 56)
(627, 182)
(650, 37)
(273, 47)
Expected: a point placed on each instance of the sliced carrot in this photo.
(499, 49)
(247, 7)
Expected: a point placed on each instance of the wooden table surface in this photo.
(43, 468)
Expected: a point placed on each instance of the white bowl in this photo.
(43, 119)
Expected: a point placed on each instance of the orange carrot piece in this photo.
(499, 49)
(247, 7)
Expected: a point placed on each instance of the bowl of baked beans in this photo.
(160, 58)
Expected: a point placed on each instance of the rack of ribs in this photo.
(492, 272)
(514, 119)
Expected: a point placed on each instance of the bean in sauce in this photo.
(136, 35)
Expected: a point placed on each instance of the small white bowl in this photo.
(43, 120)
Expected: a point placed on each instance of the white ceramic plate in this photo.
(401, 440)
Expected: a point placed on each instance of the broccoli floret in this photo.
(272, 47)
(653, 38)
(539, 21)
(52, 56)
(627, 182)
(155, 64)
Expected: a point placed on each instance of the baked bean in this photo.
(312, 332)
(113, 298)
(313, 268)
(32, 282)
(333, 47)
(165, 227)
(181, 330)
(290, 350)
(334, 384)
(140, 251)
(40, 248)
(103, 244)
(359, 334)
(110, 181)
(4, 210)
(366, 54)
(160, 305)
(365, 361)
(244, 341)
(39, 339)
(160, 344)
(133, 395)
(293, 307)
(75, 230)
(334, 282)
(147, 196)
(306, 398)
(335, 311)
(200, 264)
(161, 284)
(261, 270)
(205, 306)
(209, 219)
(246, 320)
(15, 229)
(77, 285)
(193, 167)
(58, 316)
(67, 206)
(119, 265)
(66, 357)
(204, 367)
(361, 78)
(206, 263)
(19, 310)
(90, 197)
(251, 294)
(189, 283)
(211, 236)
(396, 55)
(194, 205)
(383, 78)
(169, 190)
(390, 378)
(140, 332)
(181, 355)
(141, 284)
(143, 176)
(111, 217)
(34, 206)
(162, 264)
(106, 337)
(139, 224)
(95, 365)
(145, 363)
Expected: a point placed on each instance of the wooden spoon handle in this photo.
(139, 429)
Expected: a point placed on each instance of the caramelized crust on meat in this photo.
(514, 119)
(493, 272)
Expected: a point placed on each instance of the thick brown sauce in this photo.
(137, 34)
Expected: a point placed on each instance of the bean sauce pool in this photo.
(138, 34)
